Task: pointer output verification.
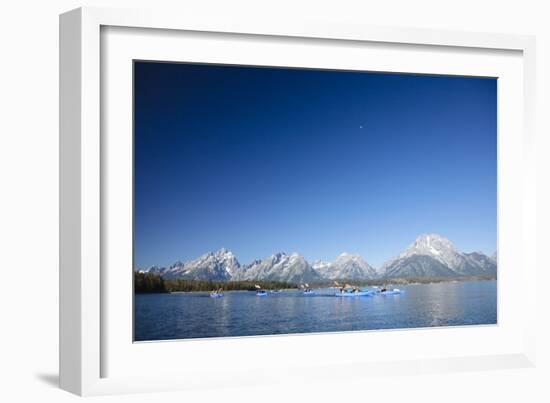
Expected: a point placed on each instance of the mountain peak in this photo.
(279, 255)
(320, 264)
(223, 252)
(431, 245)
(346, 266)
(428, 238)
(280, 266)
(434, 255)
(347, 256)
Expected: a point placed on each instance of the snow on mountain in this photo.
(482, 263)
(216, 266)
(153, 270)
(279, 267)
(346, 266)
(416, 266)
(437, 247)
(429, 255)
(432, 255)
(320, 265)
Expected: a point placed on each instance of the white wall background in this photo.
(29, 188)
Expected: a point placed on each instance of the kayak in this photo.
(261, 294)
(311, 292)
(354, 294)
(395, 291)
(215, 295)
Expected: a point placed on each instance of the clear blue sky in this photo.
(261, 160)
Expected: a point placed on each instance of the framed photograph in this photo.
(317, 198)
(317, 162)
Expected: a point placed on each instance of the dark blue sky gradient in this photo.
(261, 160)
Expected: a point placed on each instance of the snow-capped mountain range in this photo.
(434, 256)
(346, 266)
(429, 255)
(217, 266)
(280, 267)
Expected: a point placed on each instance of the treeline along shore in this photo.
(152, 283)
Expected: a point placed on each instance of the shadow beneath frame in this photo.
(49, 379)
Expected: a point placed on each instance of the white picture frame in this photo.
(93, 358)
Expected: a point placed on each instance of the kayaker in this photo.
(341, 288)
(349, 288)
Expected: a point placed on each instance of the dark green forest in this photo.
(152, 283)
(148, 283)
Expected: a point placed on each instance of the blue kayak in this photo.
(261, 294)
(310, 292)
(216, 295)
(355, 294)
(395, 291)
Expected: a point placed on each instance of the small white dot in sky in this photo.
(360, 126)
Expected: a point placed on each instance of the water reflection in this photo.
(242, 313)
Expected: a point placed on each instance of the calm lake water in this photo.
(242, 313)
